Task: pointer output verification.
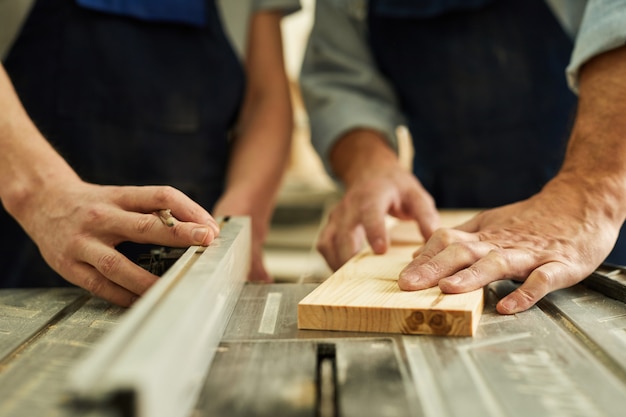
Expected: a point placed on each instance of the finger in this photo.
(330, 249)
(498, 264)
(337, 251)
(440, 240)
(147, 199)
(425, 274)
(421, 207)
(546, 278)
(325, 246)
(340, 238)
(149, 228)
(373, 221)
(117, 268)
(351, 244)
(87, 277)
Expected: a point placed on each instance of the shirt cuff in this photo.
(603, 29)
(329, 124)
(285, 6)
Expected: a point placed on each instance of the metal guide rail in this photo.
(564, 357)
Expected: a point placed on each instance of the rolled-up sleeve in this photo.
(285, 6)
(341, 86)
(603, 28)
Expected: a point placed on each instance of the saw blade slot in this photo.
(326, 381)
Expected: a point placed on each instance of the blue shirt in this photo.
(192, 12)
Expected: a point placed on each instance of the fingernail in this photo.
(199, 234)
(510, 305)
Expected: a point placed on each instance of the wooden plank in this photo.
(363, 295)
(155, 360)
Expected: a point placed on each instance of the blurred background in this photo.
(307, 192)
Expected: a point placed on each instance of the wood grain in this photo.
(363, 295)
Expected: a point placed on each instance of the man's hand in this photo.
(376, 185)
(559, 236)
(77, 226)
(550, 241)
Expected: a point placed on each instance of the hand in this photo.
(361, 213)
(550, 241)
(77, 226)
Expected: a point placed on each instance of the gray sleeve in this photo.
(236, 16)
(341, 86)
(603, 28)
(286, 6)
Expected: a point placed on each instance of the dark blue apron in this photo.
(128, 100)
(482, 85)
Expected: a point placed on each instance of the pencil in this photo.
(166, 217)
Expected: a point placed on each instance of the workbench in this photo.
(564, 357)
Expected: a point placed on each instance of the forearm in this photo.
(27, 161)
(258, 160)
(361, 153)
(261, 147)
(596, 156)
(342, 88)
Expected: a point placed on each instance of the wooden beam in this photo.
(363, 295)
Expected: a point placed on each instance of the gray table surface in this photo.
(564, 357)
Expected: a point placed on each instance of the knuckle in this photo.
(444, 235)
(526, 297)
(164, 194)
(94, 284)
(499, 259)
(145, 224)
(108, 264)
(179, 231)
(474, 271)
(426, 253)
(432, 267)
(95, 214)
(543, 278)
(463, 252)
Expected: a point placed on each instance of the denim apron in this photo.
(128, 99)
(482, 86)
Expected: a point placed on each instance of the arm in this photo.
(77, 225)
(376, 185)
(341, 86)
(353, 113)
(261, 146)
(559, 236)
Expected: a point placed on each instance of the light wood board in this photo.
(363, 295)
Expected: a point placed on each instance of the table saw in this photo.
(564, 357)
